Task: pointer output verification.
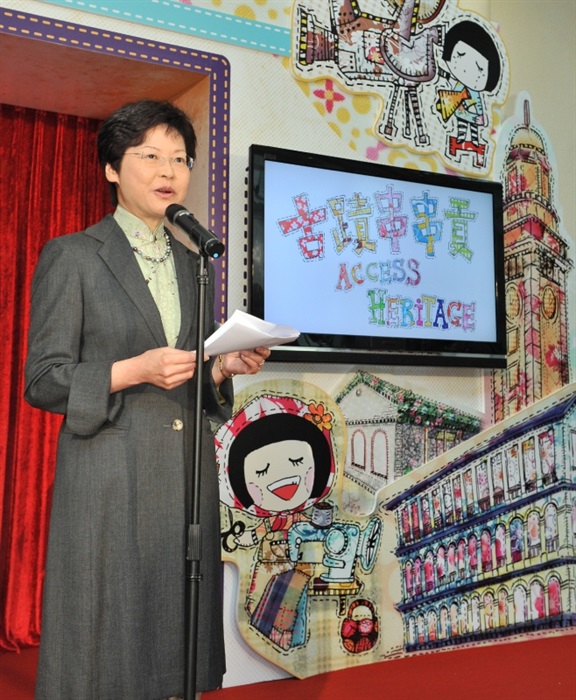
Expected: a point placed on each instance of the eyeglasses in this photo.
(153, 160)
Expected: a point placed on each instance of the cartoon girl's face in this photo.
(280, 476)
(469, 66)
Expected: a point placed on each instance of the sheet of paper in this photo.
(243, 331)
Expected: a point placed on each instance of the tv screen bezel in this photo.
(347, 349)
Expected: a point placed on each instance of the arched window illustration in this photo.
(405, 524)
(513, 470)
(529, 464)
(421, 629)
(454, 619)
(426, 521)
(461, 558)
(497, 477)
(451, 561)
(408, 580)
(503, 607)
(443, 631)
(483, 486)
(516, 540)
(463, 617)
(500, 544)
(457, 490)
(547, 456)
(411, 631)
(472, 555)
(432, 625)
(429, 571)
(551, 528)
(554, 596)
(486, 550)
(537, 606)
(448, 502)
(469, 492)
(441, 564)
(520, 604)
(415, 519)
(437, 508)
(358, 456)
(488, 610)
(380, 454)
(475, 603)
(533, 532)
(417, 576)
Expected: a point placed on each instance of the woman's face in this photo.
(280, 476)
(146, 190)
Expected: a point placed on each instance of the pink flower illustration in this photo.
(329, 95)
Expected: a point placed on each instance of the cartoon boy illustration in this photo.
(474, 66)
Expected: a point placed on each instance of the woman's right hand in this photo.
(165, 367)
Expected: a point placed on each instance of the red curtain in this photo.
(51, 184)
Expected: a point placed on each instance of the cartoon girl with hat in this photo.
(276, 459)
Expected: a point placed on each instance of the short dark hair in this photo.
(128, 125)
(478, 38)
(268, 430)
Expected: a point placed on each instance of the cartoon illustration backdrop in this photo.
(453, 564)
(473, 547)
(307, 593)
(438, 74)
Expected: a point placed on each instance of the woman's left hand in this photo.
(243, 361)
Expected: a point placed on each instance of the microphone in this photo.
(202, 237)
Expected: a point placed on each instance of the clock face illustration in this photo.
(513, 302)
(549, 303)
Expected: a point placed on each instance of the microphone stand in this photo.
(194, 550)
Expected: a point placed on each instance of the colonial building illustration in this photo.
(487, 543)
(536, 270)
(392, 430)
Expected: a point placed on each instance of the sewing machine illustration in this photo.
(336, 548)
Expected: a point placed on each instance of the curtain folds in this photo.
(51, 184)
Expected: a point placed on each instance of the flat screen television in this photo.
(375, 264)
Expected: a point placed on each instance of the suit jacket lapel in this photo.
(118, 256)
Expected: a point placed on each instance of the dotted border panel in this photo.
(191, 20)
(214, 66)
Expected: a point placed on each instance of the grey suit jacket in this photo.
(73, 298)
(116, 559)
